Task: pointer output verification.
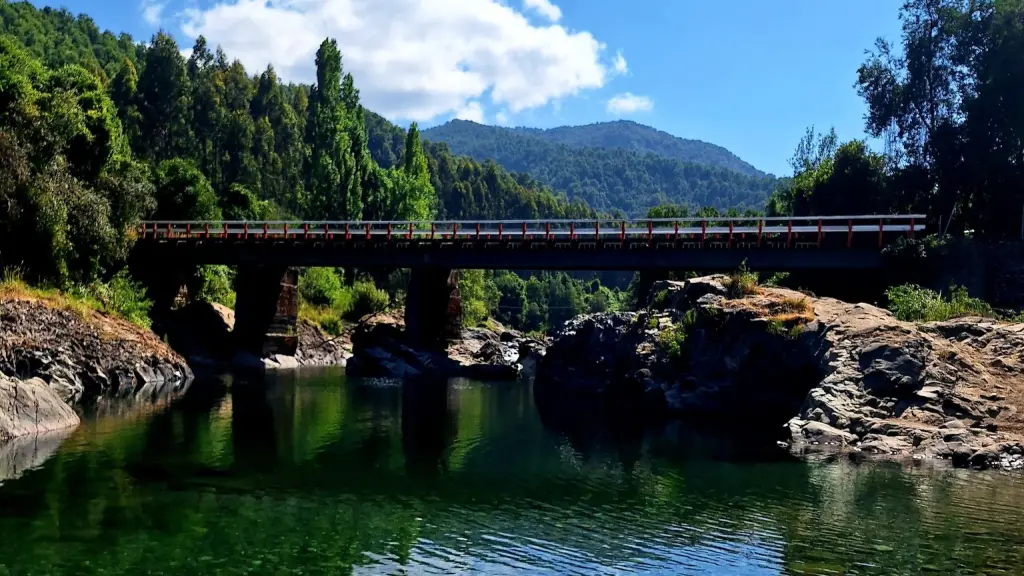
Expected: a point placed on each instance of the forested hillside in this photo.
(629, 135)
(98, 132)
(89, 117)
(607, 179)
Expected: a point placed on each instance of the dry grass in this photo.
(778, 308)
(741, 284)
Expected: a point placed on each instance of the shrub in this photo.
(673, 341)
(912, 303)
(331, 325)
(742, 282)
(320, 286)
(367, 299)
(122, 297)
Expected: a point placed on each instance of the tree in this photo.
(183, 193)
(164, 101)
(123, 90)
(511, 307)
(331, 169)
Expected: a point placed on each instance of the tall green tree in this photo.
(164, 97)
(330, 170)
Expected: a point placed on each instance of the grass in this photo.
(121, 297)
(912, 303)
(326, 318)
(742, 283)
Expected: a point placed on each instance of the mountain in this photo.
(607, 179)
(628, 135)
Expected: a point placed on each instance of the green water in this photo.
(314, 474)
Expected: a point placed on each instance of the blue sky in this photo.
(749, 75)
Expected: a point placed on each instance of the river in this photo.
(310, 473)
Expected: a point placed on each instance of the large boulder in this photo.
(31, 407)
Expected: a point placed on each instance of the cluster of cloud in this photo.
(416, 59)
(629, 103)
(152, 11)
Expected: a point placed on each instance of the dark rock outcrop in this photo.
(826, 374)
(83, 355)
(381, 349)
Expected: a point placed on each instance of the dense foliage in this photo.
(629, 135)
(536, 303)
(949, 102)
(913, 303)
(607, 179)
(98, 132)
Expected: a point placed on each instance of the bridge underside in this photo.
(472, 255)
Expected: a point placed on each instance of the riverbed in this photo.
(308, 472)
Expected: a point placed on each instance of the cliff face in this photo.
(814, 372)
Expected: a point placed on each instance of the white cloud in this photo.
(628, 103)
(472, 111)
(152, 11)
(501, 119)
(619, 64)
(412, 59)
(545, 8)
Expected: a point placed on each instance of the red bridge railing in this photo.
(681, 232)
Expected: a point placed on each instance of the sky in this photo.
(749, 75)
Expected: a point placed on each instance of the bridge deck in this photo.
(836, 242)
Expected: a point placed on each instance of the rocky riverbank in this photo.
(820, 373)
(380, 349)
(203, 333)
(53, 355)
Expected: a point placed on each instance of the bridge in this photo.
(266, 251)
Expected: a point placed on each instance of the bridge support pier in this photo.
(433, 309)
(267, 310)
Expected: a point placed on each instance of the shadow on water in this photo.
(596, 427)
(311, 471)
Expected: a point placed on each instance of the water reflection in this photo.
(313, 473)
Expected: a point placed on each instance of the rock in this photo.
(18, 455)
(83, 356)
(530, 354)
(145, 374)
(280, 361)
(838, 373)
(31, 407)
(825, 434)
(986, 457)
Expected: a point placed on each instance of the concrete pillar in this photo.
(266, 310)
(433, 308)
